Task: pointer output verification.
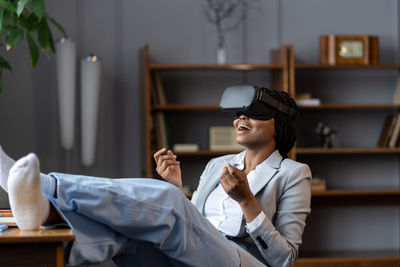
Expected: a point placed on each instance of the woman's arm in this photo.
(278, 241)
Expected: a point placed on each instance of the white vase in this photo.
(221, 55)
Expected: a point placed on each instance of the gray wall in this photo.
(176, 31)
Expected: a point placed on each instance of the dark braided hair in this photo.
(285, 125)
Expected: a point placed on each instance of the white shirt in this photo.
(225, 213)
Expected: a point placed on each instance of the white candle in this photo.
(90, 89)
(66, 83)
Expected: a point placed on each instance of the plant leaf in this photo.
(20, 6)
(14, 37)
(59, 27)
(45, 37)
(4, 64)
(38, 8)
(9, 6)
(33, 49)
(29, 22)
(1, 21)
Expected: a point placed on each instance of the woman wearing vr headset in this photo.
(248, 210)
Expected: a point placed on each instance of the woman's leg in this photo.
(146, 210)
(96, 242)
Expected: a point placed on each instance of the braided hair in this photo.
(285, 125)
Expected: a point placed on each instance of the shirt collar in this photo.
(274, 160)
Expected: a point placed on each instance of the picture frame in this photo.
(349, 50)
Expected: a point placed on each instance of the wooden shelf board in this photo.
(207, 153)
(355, 197)
(347, 256)
(302, 151)
(320, 66)
(351, 106)
(184, 107)
(215, 67)
(338, 193)
(204, 152)
(178, 107)
(368, 150)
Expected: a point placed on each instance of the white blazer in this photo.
(284, 194)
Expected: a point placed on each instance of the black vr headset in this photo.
(253, 102)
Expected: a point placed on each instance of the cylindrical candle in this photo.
(90, 90)
(66, 72)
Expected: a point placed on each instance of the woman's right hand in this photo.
(168, 167)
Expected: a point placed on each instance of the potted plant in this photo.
(26, 18)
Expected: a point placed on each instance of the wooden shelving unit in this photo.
(284, 71)
(348, 198)
(279, 66)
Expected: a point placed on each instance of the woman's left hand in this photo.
(235, 184)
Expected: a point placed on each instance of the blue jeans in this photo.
(141, 219)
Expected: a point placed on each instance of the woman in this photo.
(249, 209)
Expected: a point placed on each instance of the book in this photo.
(306, 95)
(387, 130)
(159, 89)
(185, 147)
(318, 184)
(223, 138)
(396, 96)
(160, 130)
(308, 102)
(395, 134)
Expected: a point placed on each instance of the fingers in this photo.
(232, 172)
(159, 153)
(164, 160)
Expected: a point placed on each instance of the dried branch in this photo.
(218, 12)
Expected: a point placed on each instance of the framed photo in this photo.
(349, 50)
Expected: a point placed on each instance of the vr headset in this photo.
(252, 102)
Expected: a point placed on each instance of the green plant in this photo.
(26, 17)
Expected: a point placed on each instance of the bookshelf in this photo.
(284, 74)
(278, 75)
(360, 196)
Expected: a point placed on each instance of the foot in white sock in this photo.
(5, 165)
(29, 205)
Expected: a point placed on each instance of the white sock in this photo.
(48, 183)
(5, 165)
(29, 205)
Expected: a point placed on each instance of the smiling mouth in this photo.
(243, 127)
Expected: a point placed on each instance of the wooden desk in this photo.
(33, 248)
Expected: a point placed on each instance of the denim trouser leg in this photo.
(96, 242)
(148, 210)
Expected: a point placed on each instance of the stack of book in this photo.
(305, 99)
(318, 184)
(160, 122)
(390, 132)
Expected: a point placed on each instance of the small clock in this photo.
(349, 49)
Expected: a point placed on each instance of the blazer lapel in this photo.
(268, 169)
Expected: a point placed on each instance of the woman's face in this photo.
(253, 133)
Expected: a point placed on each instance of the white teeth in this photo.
(241, 126)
